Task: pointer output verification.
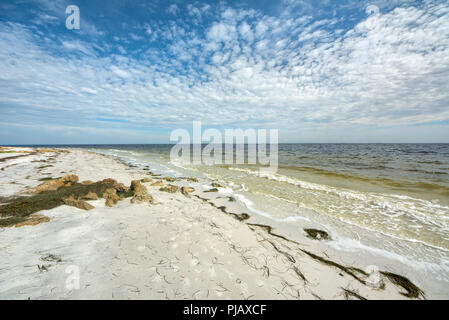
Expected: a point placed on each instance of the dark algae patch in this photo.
(412, 291)
(15, 157)
(240, 217)
(47, 178)
(18, 209)
(352, 294)
(45, 166)
(317, 234)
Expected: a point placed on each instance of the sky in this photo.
(318, 71)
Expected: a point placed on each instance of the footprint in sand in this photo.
(198, 270)
(259, 283)
(194, 262)
(212, 272)
(187, 282)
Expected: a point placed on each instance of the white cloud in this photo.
(135, 37)
(173, 9)
(89, 90)
(77, 45)
(120, 72)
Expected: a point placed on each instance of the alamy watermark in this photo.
(237, 146)
(72, 22)
(72, 282)
(372, 10)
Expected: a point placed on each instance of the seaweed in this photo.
(350, 293)
(348, 270)
(240, 217)
(317, 234)
(15, 157)
(47, 178)
(51, 258)
(18, 209)
(412, 291)
(269, 230)
(45, 166)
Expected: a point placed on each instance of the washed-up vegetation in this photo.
(18, 210)
(317, 234)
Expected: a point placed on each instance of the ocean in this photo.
(390, 201)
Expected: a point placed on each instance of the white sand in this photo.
(179, 248)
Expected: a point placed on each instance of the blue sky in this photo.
(319, 71)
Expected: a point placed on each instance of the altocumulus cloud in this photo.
(343, 70)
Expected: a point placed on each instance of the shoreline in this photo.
(260, 263)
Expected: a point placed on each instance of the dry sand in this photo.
(178, 248)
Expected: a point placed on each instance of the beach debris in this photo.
(157, 184)
(351, 294)
(55, 184)
(42, 150)
(44, 166)
(90, 196)
(170, 188)
(112, 200)
(109, 192)
(145, 180)
(192, 179)
(15, 157)
(154, 174)
(412, 291)
(42, 268)
(240, 217)
(216, 185)
(109, 181)
(45, 179)
(51, 258)
(111, 197)
(212, 190)
(143, 199)
(18, 209)
(317, 234)
(69, 179)
(140, 193)
(186, 190)
(46, 150)
(137, 188)
(123, 191)
(80, 204)
(33, 220)
(50, 185)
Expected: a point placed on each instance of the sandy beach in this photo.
(198, 244)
